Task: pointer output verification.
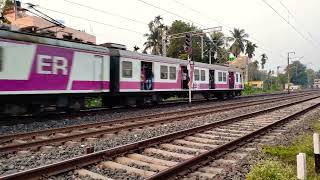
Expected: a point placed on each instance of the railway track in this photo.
(8, 120)
(172, 154)
(89, 132)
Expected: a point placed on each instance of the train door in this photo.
(98, 72)
(211, 79)
(185, 77)
(147, 76)
(231, 80)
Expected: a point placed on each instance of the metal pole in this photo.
(190, 79)
(288, 73)
(289, 70)
(15, 10)
(201, 47)
(247, 70)
(164, 44)
(210, 56)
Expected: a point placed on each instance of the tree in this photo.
(318, 74)
(154, 37)
(216, 45)
(311, 74)
(135, 48)
(176, 47)
(239, 39)
(253, 71)
(298, 74)
(250, 49)
(6, 7)
(264, 59)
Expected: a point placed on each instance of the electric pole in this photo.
(289, 70)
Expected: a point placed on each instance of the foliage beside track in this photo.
(280, 161)
(249, 90)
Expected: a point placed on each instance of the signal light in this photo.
(188, 44)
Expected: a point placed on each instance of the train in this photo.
(37, 72)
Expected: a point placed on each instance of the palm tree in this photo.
(250, 49)
(154, 38)
(216, 45)
(238, 38)
(264, 59)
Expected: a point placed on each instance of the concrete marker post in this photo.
(301, 166)
(316, 150)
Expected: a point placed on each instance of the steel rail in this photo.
(9, 137)
(103, 131)
(219, 151)
(85, 160)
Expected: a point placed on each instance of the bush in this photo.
(271, 170)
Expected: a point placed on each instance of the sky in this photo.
(295, 25)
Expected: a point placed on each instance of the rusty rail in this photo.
(81, 161)
(102, 131)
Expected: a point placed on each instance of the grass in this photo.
(93, 102)
(280, 161)
(249, 90)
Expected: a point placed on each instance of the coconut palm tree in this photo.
(250, 49)
(154, 38)
(216, 44)
(264, 59)
(238, 37)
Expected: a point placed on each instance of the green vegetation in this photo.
(93, 102)
(249, 90)
(271, 170)
(280, 161)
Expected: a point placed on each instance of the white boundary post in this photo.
(316, 150)
(301, 166)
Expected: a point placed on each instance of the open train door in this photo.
(185, 77)
(211, 79)
(231, 80)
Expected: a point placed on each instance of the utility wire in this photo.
(202, 14)
(90, 20)
(106, 12)
(295, 19)
(172, 13)
(292, 26)
(221, 23)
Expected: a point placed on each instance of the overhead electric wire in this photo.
(106, 12)
(292, 26)
(221, 23)
(172, 13)
(295, 19)
(90, 20)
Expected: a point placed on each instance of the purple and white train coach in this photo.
(37, 72)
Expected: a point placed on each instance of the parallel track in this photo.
(201, 138)
(35, 140)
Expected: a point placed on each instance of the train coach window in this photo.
(220, 78)
(203, 75)
(164, 72)
(126, 69)
(237, 78)
(196, 75)
(173, 73)
(224, 77)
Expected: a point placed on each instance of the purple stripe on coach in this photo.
(90, 85)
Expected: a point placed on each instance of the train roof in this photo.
(136, 55)
(34, 38)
